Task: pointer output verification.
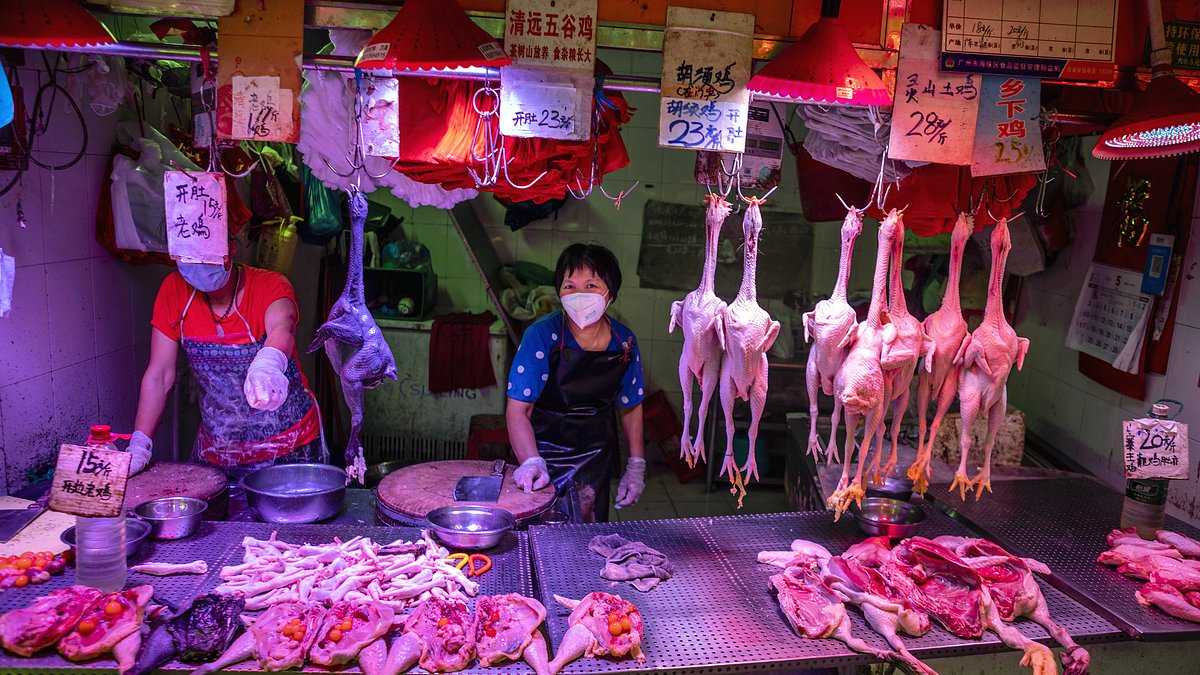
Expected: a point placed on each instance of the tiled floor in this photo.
(666, 497)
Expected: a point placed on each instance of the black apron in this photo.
(575, 424)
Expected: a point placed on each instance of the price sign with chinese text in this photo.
(261, 110)
(1183, 38)
(1008, 136)
(706, 64)
(934, 115)
(544, 103)
(1155, 448)
(557, 33)
(197, 227)
(89, 481)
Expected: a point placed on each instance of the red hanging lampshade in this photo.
(50, 23)
(431, 35)
(822, 67)
(1166, 121)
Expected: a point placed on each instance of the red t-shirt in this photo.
(262, 287)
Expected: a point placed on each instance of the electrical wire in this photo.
(38, 121)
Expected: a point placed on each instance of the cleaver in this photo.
(12, 521)
(480, 488)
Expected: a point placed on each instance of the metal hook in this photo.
(357, 158)
(620, 195)
(851, 208)
(1040, 203)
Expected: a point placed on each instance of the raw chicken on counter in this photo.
(985, 362)
(353, 342)
(507, 628)
(749, 334)
(859, 384)
(28, 630)
(600, 625)
(1170, 566)
(441, 631)
(938, 380)
(347, 628)
(110, 621)
(699, 315)
(831, 325)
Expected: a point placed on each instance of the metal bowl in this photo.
(172, 517)
(136, 532)
(470, 527)
(882, 516)
(295, 493)
(376, 472)
(896, 487)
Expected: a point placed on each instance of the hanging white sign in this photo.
(197, 227)
(557, 33)
(706, 64)
(1008, 135)
(546, 103)
(381, 116)
(261, 110)
(1155, 448)
(934, 114)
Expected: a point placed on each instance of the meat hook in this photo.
(357, 158)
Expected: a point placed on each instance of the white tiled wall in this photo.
(74, 347)
(1082, 418)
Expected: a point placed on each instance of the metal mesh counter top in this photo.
(1064, 523)
(717, 615)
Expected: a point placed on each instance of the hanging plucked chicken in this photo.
(353, 342)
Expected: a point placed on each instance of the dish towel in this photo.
(459, 353)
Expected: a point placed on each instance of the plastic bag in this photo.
(324, 211)
(7, 111)
(8, 270)
(139, 215)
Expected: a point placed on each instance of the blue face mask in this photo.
(204, 278)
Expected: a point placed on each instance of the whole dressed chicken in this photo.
(938, 380)
(831, 325)
(28, 630)
(346, 629)
(106, 623)
(859, 384)
(985, 363)
(353, 342)
(749, 334)
(601, 625)
(700, 314)
(507, 628)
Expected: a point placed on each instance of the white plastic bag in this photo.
(139, 216)
(8, 270)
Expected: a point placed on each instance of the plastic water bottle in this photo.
(1145, 502)
(100, 542)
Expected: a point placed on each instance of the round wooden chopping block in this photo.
(418, 489)
(171, 479)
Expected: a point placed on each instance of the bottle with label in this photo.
(100, 542)
(1145, 502)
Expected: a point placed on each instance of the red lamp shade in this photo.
(821, 67)
(50, 23)
(431, 35)
(1164, 124)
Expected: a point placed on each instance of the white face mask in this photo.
(585, 309)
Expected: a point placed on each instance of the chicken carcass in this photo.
(831, 326)
(749, 333)
(699, 315)
(285, 633)
(1016, 593)
(1169, 599)
(937, 581)
(938, 380)
(814, 610)
(28, 630)
(985, 363)
(600, 625)
(858, 384)
(507, 628)
(443, 629)
(1130, 536)
(1180, 542)
(1125, 553)
(900, 357)
(105, 623)
(886, 610)
(353, 342)
(1182, 574)
(346, 629)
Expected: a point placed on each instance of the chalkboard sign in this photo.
(672, 251)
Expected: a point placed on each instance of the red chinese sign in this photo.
(559, 33)
(1008, 136)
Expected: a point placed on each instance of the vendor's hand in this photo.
(532, 474)
(633, 483)
(266, 385)
(140, 448)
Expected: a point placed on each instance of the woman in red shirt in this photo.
(237, 328)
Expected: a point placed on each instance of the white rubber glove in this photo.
(140, 448)
(633, 483)
(532, 475)
(266, 385)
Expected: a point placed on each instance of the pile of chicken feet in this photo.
(968, 586)
(867, 367)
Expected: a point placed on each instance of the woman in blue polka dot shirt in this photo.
(576, 372)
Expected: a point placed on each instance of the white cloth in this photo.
(266, 384)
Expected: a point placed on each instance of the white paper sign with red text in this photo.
(556, 33)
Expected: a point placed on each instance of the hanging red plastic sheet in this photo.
(439, 121)
(934, 195)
